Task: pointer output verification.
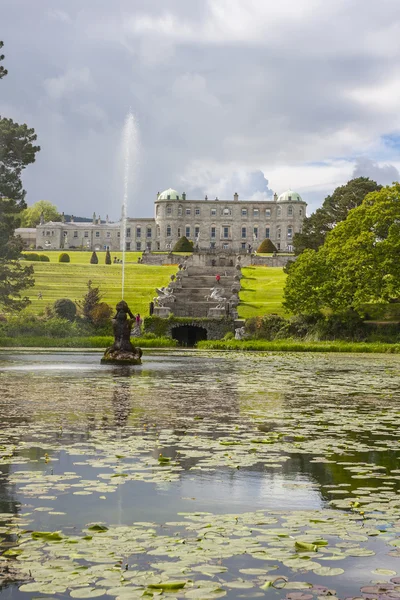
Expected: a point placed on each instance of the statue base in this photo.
(122, 357)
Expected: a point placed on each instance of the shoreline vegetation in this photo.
(93, 342)
(288, 345)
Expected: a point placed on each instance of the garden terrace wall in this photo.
(216, 328)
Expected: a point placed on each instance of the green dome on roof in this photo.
(169, 194)
(290, 196)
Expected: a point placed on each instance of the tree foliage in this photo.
(17, 151)
(94, 259)
(64, 257)
(30, 217)
(183, 245)
(359, 262)
(266, 246)
(3, 71)
(65, 309)
(335, 209)
(108, 258)
(90, 302)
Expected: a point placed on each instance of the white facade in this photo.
(230, 225)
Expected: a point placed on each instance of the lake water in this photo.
(199, 475)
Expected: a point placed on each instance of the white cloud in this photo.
(72, 81)
(223, 90)
(59, 15)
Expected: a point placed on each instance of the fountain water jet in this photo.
(130, 142)
(122, 352)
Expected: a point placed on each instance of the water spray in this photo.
(128, 138)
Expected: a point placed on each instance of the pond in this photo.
(199, 475)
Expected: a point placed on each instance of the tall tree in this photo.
(30, 217)
(334, 209)
(358, 263)
(3, 71)
(17, 150)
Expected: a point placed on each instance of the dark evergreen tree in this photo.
(94, 260)
(17, 150)
(108, 258)
(90, 301)
(335, 209)
(3, 71)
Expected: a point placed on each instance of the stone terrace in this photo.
(196, 285)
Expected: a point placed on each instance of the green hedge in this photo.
(80, 342)
(294, 346)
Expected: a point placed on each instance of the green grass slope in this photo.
(69, 280)
(262, 291)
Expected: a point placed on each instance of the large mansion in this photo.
(221, 224)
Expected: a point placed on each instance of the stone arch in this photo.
(188, 334)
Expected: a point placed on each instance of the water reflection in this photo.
(189, 431)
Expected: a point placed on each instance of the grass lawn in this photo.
(69, 280)
(262, 291)
(262, 287)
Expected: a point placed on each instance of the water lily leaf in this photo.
(97, 527)
(168, 586)
(328, 571)
(305, 547)
(49, 536)
(383, 572)
(88, 592)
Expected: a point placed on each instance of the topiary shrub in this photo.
(108, 258)
(65, 309)
(266, 247)
(44, 258)
(31, 256)
(64, 257)
(183, 245)
(94, 259)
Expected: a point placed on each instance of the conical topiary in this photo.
(108, 258)
(94, 259)
(266, 247)
(183, 245)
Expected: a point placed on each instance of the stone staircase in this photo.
(197, 282)
(192, 289)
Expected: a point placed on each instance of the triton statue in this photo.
(122, 352)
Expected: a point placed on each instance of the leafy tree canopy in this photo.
(30, 217)
(359, 262)
(334, 210)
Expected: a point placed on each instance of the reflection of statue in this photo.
(122, 351)
(121, 400)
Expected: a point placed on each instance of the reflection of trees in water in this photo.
(8, 503)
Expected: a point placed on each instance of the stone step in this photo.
(191, 282)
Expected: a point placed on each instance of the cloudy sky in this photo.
(253, 96)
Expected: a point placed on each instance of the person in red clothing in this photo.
(218, 278)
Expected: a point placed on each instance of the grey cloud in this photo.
(385, 174)
(212, 106)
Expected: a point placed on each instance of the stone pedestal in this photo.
(217, 312)
(162, 311)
